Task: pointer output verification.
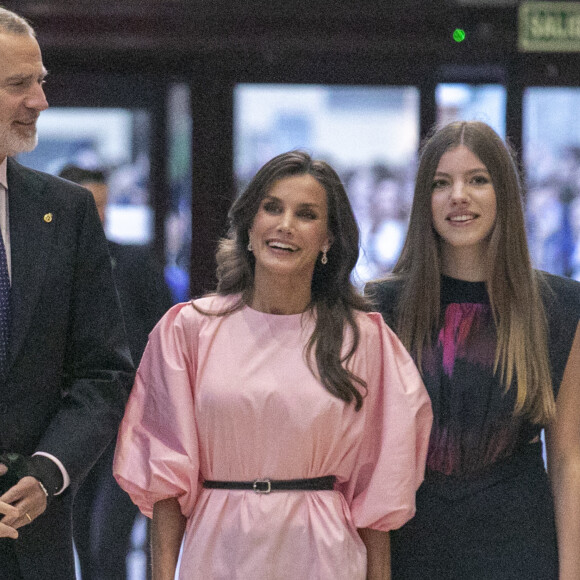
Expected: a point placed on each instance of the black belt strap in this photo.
(268, 485)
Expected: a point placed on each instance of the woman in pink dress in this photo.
(277, 429)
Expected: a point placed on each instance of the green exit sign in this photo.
(549, 27)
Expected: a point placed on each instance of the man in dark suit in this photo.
(65, 369)
(103, 514)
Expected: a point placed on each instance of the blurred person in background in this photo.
(389, 224)
(103, 514)
(544, 216)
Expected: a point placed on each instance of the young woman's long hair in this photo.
(512, 285)
(334, 298)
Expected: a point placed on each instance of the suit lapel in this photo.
(30, 237)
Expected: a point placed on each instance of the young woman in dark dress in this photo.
(499, 349)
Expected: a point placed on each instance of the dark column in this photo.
(212, 175)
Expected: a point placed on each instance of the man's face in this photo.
(21, 94)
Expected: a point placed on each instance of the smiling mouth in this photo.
(281, 246)
(30, 121)
(462, 218)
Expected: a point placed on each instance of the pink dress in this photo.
(231, 398)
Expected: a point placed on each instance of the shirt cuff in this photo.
(61, 467)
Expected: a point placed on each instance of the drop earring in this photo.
(324, 259)
(250, 246)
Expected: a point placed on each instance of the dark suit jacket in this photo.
(143, 292)
(69, 368)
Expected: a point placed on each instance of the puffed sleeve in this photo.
(157, 449)
(398, 417)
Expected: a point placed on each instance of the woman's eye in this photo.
(271, 207)
(438, 184)
(307, 214)
(480, 180)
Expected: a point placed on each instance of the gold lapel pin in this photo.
(47, 217)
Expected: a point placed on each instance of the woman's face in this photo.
(290, 228)
(463, 201)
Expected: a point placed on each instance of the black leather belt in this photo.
(268, 485)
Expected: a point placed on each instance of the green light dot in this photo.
(459, 35)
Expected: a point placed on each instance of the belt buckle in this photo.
(266, 483)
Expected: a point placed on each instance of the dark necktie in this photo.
(4, 309)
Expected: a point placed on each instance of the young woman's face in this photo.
(291, 228)
(463, 201)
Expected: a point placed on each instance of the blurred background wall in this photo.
(182, 100)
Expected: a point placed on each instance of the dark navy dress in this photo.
(485, 510)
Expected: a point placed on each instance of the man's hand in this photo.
(5, 510)
(20, 505)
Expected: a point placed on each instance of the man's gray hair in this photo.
(11, 23)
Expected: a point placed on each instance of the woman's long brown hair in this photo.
(512, 284)
(334, 298)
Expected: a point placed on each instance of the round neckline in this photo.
(286, 316)
(456, 290)
(461, 281)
